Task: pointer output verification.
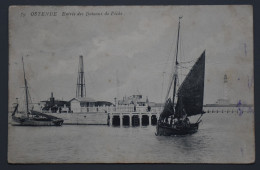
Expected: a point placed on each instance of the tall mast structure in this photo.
(26, 91)
(81, 87)
(176, 64)
(175, 75)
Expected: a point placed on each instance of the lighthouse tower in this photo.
(224, 98)
(81, 88)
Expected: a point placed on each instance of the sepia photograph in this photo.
(131, 84)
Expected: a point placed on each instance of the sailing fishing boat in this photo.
(31, 117)
(174, 119)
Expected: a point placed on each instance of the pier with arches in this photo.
(132, 119)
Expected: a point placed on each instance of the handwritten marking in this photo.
(240, 111)
(250, 83)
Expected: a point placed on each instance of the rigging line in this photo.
(33, 92)
(162, 88)
(178, 82)
(184, 56)
(23, 100)
(174, 62)
(185, 67)
(184, 75)
(29, 95)
(155, 64)
(30, 99)
(181, 59)
(182, 49)
(169, 86)
(171, 78)
(185, 62)
(171, 47)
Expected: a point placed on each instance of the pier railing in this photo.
(144, 109)
(120, 108)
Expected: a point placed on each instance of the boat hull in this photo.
(164, 130)
(36, 122)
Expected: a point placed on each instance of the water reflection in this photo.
(218, 140)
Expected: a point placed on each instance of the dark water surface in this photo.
(222, 138)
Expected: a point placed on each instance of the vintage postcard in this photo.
(131, 84)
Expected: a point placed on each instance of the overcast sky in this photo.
(135, 47)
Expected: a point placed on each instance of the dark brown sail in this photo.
(190, 93)
(167, 110)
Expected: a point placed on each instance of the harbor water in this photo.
(222, 138)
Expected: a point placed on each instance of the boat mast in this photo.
(26, 90)
(176, 64)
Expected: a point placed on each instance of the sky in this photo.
(129, 53)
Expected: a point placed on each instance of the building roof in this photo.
(54, 101)
(84, 99)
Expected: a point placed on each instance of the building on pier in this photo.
(88, 105)
(136, 100)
